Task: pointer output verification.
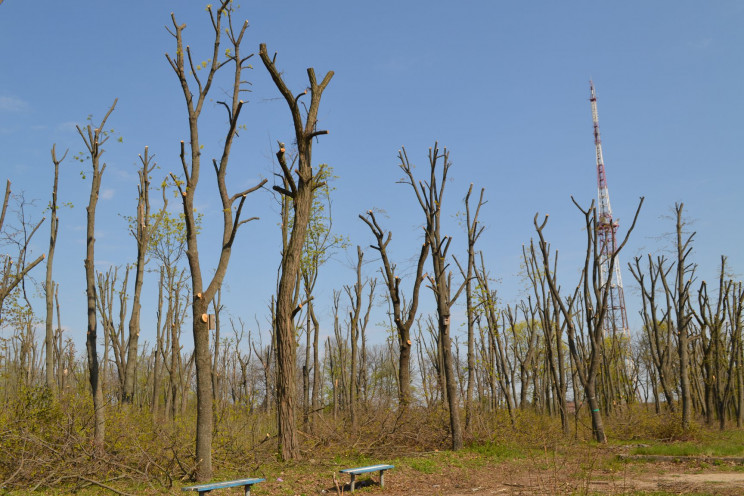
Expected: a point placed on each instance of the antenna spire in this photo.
(616, 318)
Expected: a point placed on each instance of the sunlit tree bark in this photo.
(301, 192)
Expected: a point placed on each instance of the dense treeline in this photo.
(276, 385)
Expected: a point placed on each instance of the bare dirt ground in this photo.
(530, 477)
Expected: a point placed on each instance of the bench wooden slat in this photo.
(363, 470)
(205, 488)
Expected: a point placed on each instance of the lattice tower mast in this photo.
(616, 318)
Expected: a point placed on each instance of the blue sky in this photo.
(504, 85)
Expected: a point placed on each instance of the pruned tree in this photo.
(657, 322)
(588, 302)
(113, 322)
(678, 292)
(553, 326)
(474, 231)
(496, 325)
(49, 282)
(94, 139)
(142, 232)
(403, 313)
(357, 325)
(430, 194)
(301, 192)
(203, 291)
(720, 339)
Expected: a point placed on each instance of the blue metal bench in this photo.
(363, 470)
(205, 488)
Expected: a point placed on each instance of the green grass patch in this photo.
(424, 465)
(497, 451)
(724, 444)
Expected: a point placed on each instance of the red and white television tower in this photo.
(616, 319)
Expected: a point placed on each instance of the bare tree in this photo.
(94, 139)
(474, 232)
(355, 298)
(49, 283)
(403, 315)
(552, 324)
(657, 326)
(589, 300)
(203, 291)
(113, 324)
(357, 326)
(679, 295)
(496, 337)
(301, 192)
(720, 339)
(430, 194)
(142, 232)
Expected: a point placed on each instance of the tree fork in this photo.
(301, 193)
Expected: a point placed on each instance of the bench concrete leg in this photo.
(247, 490)
(382, 478)
(353, 478)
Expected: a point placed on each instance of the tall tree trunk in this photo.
(94, 139)
(474, 232)
(680, 296)
(142, 233)
(355, 299)
(430, 195)
(402, 322)
(49, 284)
(232, 206)
(301, 192)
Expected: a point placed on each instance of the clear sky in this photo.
(504, 85)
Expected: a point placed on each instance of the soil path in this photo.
(518, 479)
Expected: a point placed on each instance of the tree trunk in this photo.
(301, 192)
(93, 142)
(49, 284)
(204, 395)
(451, 383)
(142, 234)
(430, 195)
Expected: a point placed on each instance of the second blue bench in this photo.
(363, 470)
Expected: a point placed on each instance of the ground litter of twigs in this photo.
(524, 478)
